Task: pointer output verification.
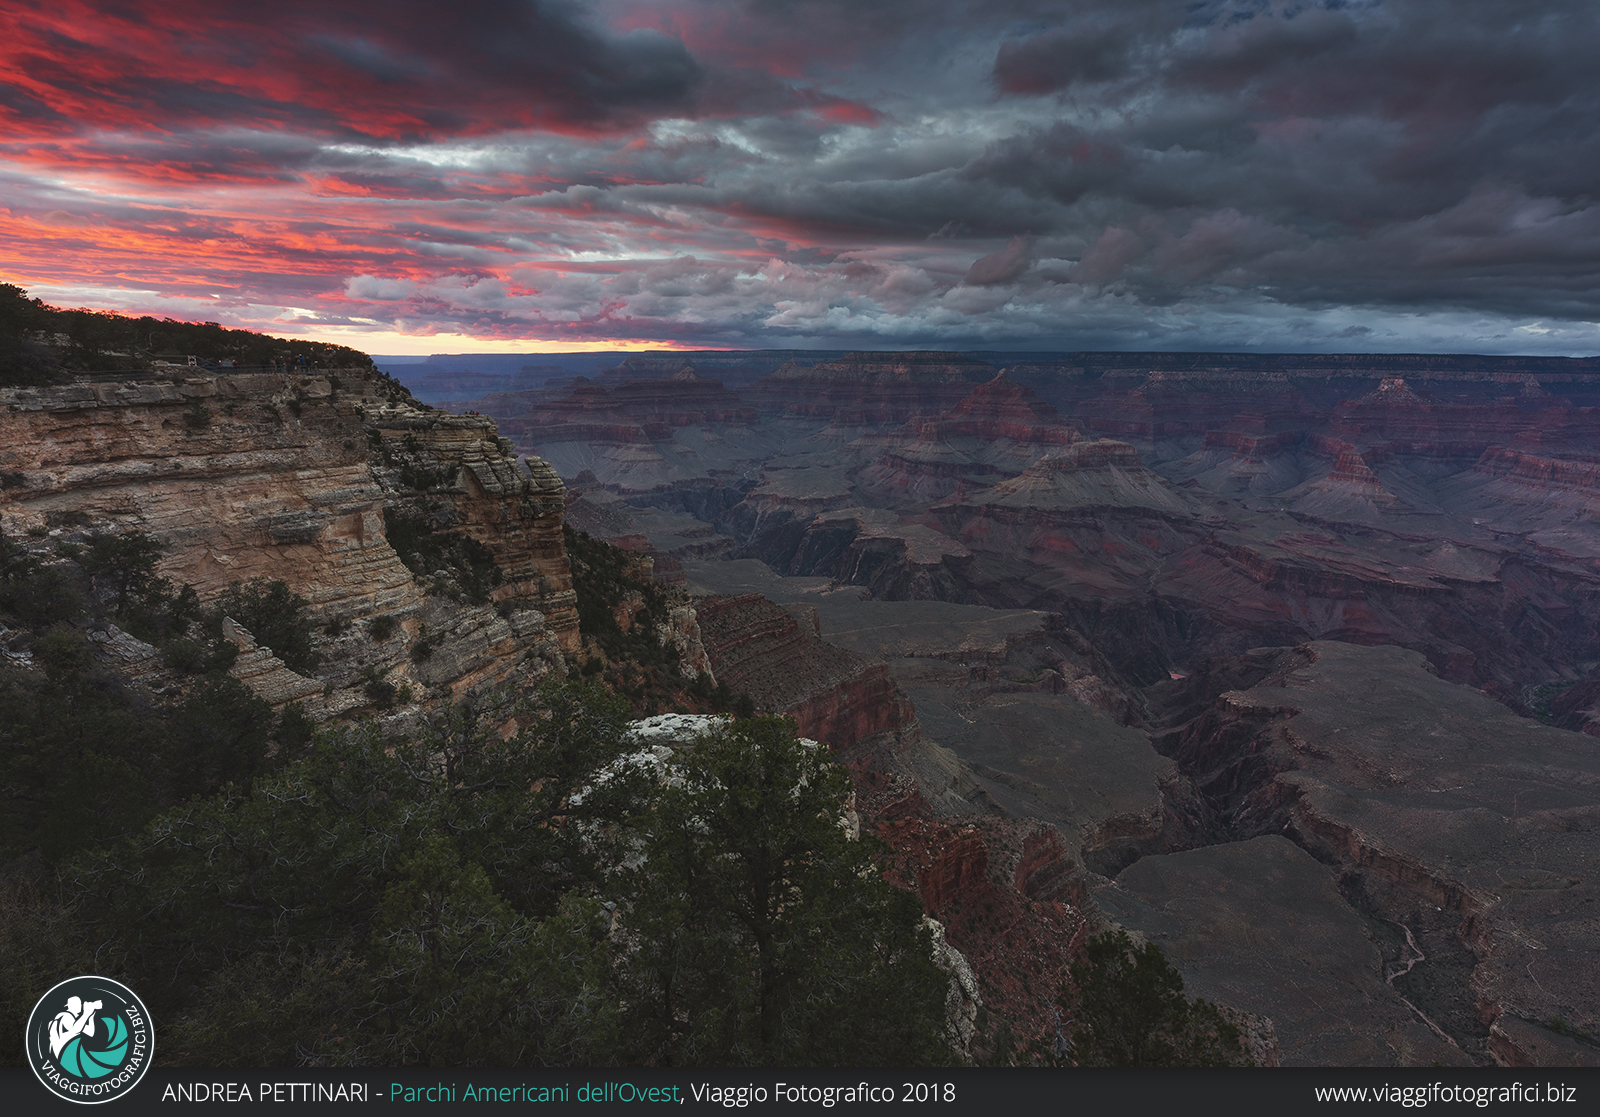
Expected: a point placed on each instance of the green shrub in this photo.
(1128, 1009)
(422, 650)
(219, 733)
(184, 654)
(41, 596)
(379, 691)
(425, 549)
(64, 653)
(194, 658)
(294, 731)
(273, 615)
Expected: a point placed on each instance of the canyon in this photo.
(1285, 662)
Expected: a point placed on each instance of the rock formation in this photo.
(1445, 505)
(289, 478)
(995, 432)
(1045, 587)
(861, 389)
(1459, 825)
(834, 696)
(641, 434)
(474, 486)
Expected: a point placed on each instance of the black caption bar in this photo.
(819, 1092)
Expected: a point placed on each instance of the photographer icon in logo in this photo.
(90, 1040)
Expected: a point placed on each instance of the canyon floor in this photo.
(1288, 661)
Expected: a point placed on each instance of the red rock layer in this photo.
(871, 388)
(995, 885)
(682, 400)
(639, 411)
(589, 413)
(1410, 424)
(1350, 468)
(1550, 473)
(1250, 445)
(1002, 888)
(834, 696)
(1168, 402)
(1001, 408)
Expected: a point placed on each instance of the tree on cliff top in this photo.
(22, 359)
(38, 341)
(764, 933)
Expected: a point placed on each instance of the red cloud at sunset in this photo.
(733, 172)
(396, 69)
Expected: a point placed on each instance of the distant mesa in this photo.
(1099, 474)
(871, 388)
(1393, 390)
(994, 432)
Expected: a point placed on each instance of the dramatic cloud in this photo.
(1411, 174)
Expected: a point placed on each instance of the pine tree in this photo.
(763, 933)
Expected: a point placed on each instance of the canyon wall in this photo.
(1467, 831)
(1216, 740)
(288, 478)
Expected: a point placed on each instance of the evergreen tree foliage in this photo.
(1128, 1009)
(124, 563)
(272, 615)
(285, 895)
(763, 932)
(220, 733)
(426, 901)
(443, 899)
(38, 342)
(36, 595)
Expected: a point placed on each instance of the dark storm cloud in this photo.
(1329, 153)
(1095, 47)
(1387, 173)
(383, 68)
(1003, 266)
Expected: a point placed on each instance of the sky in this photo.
(535, 175)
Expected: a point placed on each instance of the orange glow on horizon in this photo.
(424, 345)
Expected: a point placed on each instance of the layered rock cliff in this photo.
(757, 648)
(1443, 504)
(299, 479)
(641, 435)
(995, 432)
(863, 389)
(1004, 888)
(1464, 830)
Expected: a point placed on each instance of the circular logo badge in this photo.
(90, 1040)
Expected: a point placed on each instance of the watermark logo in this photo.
(89, 1040)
